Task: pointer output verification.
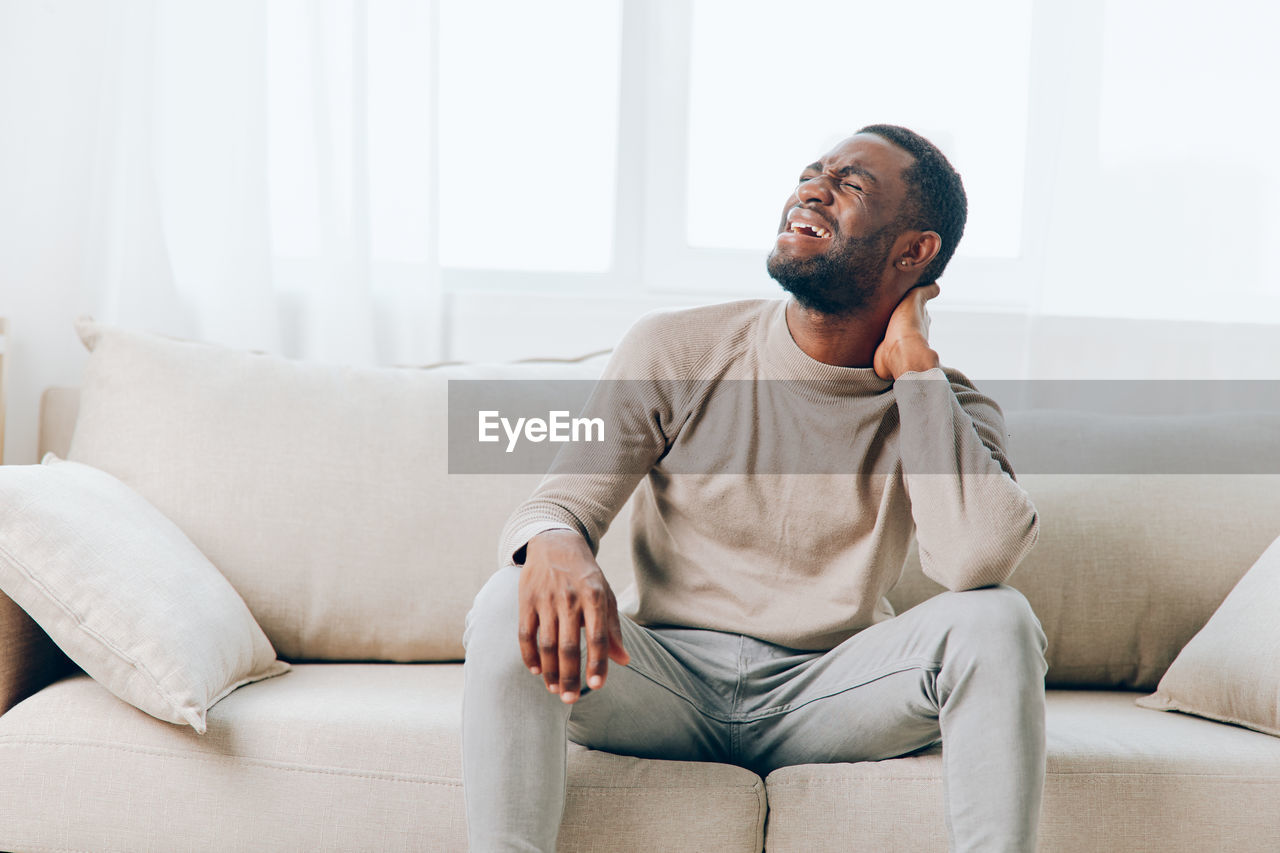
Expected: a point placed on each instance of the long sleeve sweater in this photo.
(732, 529)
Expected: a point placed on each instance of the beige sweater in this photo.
(782, 510)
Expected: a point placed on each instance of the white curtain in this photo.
(232, 176)
(263, 173)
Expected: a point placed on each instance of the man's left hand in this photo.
(906, 341)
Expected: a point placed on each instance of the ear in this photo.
(919, 252)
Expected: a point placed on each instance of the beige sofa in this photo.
(345, 754)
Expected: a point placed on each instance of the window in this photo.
(773, 86)
(1165, 205)
(1114, 151)
(528, 134)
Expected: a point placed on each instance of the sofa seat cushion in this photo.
(332, 757)
(1119, 777)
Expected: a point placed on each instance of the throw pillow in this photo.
(1228, 671)
(124, 593)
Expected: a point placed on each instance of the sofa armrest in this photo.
(29, 660)
(59, 408)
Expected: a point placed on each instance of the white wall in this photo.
(511, 326)
(983, 344)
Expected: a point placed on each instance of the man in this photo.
(759, 633)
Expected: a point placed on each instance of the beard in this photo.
(842, 281)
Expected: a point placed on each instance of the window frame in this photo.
(652, 254)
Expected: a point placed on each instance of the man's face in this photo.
(840, 225)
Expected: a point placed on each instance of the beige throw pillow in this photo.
(124, 593)
(1230, 671)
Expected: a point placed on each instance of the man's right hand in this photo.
(562, 591)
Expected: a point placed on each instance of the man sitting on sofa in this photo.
(759, 634)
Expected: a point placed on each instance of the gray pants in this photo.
(966, 668)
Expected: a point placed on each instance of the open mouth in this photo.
(806, 230)
(806, 223)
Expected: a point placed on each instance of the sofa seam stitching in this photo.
(1224, 777)
(12, 740)
(630, 789)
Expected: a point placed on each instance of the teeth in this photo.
(799, 227)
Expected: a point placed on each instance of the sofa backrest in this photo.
(59, 408)
(322, 493)
(340, 525)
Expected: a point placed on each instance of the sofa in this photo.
(324, 494)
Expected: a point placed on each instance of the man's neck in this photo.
(844, 340)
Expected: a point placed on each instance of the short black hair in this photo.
(935, 194)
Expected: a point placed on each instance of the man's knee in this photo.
(997, 619)
(494, 614)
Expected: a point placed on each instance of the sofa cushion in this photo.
(124, 593)
(1229, 670)
(1119, 778)
(322, 493)
(333, 757)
